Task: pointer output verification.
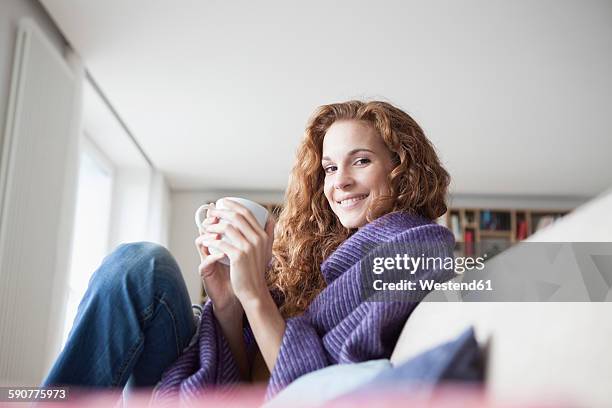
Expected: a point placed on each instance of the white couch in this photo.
(536, 350)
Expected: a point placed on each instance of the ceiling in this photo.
(516, 95)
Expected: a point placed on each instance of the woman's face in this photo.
(356, 163)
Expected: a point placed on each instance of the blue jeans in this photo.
(133, 322)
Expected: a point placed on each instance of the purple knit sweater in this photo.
(340, 326)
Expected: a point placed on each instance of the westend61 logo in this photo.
(435, 273)
(412, 264)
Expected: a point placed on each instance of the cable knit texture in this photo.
(342, 325)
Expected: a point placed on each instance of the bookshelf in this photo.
(491, 230)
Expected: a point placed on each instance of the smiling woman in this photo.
(292, 299)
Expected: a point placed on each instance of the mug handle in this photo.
(200, 216)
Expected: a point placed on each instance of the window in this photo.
(91, 225)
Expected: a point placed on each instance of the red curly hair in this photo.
(308, 231)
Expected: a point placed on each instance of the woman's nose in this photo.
(343, 180)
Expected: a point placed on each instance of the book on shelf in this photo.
(469, 217)
(485, 219)
(469, 242)
(521, 230)
(494, 220)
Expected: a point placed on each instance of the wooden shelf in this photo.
(493, 233)
(495, 227)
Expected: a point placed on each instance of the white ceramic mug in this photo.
(259, 212)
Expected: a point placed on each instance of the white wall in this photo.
(516, 201)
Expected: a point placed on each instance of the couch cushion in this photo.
(323, 385)
(460, 359)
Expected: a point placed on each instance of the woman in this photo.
(366, 181)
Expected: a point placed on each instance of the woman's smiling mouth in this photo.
(352, 202)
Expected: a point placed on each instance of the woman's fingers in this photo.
(199, 243)
(205, 267)
(241, 223)
(226, 248)
(207, 221)
(210, 206)
(210, 220)
(231, 232)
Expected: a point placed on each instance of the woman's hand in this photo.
(249, 252)
(215, 275)
(226, 306)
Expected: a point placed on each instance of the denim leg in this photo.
(134, 320)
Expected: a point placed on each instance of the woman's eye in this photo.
(362, 161)
(329, 169)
